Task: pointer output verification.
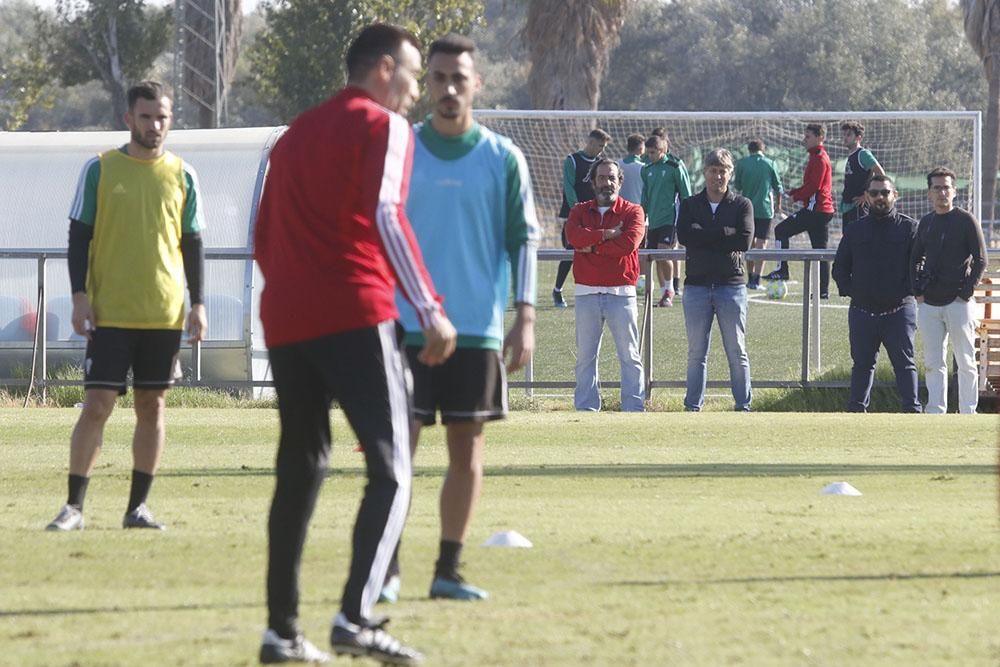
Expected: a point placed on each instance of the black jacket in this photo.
(953, 253)
(713, 257)
(873, 261)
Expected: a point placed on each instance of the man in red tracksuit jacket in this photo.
(332, 241)
(816, 196)
(606, 232)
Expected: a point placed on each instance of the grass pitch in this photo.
(660, 539)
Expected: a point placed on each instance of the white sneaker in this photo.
(274, 650)
(69, 518)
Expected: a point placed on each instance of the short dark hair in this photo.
(373, 42)
(634, 142)
(657, 142)
(660, 132)
(148, 90)
(881, 178)
(817, 129)
(452, 44)
(756, 146)
(598, 133)
(940, 172)
(592, 173)
(854, 126)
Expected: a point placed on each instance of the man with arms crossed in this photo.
(332, 241)
(948, 261)
(816, 196)
(757, 178)
(858, 169)
(606, 233)
(716, 226)
(473, 214)
(134, 236)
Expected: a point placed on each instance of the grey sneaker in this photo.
(141, 517)
(372, 641)
(274, 650)
(69, 518)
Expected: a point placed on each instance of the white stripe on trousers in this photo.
(400, 416)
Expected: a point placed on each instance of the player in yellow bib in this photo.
(134, 240)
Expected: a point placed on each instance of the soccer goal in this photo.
(908, 144)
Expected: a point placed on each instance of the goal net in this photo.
(907, 144)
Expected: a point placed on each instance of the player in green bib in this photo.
(135, 239)
(757, 178)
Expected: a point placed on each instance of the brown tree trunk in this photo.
(991, 139)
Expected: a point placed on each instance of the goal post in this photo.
(908, 144)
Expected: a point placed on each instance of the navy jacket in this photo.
(714, 257)
(873, 261)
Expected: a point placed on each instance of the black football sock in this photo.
(562, 273)
(141, 481)
(77, 490)
(447, 562)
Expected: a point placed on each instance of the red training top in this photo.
(332, 238)
(816, 191)
(613, 262)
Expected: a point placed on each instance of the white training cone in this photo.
(508, 538)
(839, 489)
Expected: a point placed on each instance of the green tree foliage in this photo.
(298, 59)
(25, 72)
(113, 41)
(746, 55)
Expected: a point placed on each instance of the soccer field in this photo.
(659, 539)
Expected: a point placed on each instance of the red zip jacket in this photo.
(816, 191)
(332, 238)
(614, 262)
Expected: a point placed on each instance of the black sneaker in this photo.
(557, 299)
(141, 517)
(372, 641)
(777, 275)
(275, 650)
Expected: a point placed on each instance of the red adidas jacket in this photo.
(613, 262)
(816, 191)
(332, 238)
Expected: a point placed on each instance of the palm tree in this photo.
(200, 57)
(570, 44)
(982, 29)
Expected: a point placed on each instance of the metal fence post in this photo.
(807, 284)
(816, 332)
(43, 333)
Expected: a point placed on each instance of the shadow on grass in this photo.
(888, 576)
(640, 470)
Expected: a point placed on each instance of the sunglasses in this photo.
(876, 193)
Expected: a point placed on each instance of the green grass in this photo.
(660, 539)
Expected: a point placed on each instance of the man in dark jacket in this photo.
(872, 267)
(948, 260)
(716, 228)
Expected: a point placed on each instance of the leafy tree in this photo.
(298, 59)
(113, 41)
(25, 72)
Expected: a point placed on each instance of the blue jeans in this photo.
(620, 312)
(896, 332)
(702, 304)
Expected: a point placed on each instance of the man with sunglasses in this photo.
(873, 268)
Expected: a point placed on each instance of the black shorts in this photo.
(761, 228)
(150, 353)
(470, 387)
(661, 236)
